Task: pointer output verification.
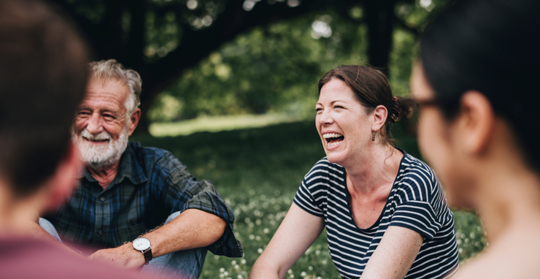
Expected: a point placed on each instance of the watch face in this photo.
(141, 243)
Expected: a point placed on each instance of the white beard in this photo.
(99, 156)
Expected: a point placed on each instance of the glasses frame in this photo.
(425, 102)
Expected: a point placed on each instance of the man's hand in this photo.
(124, 256)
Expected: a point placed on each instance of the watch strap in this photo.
(147, 255)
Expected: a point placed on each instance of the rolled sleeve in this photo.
(185, 192)
(205, 197)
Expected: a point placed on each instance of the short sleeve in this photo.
(304, 200)
(417, 216)
(312, 196)
(418, 198)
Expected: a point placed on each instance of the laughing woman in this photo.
(477, 82)
(384, 211)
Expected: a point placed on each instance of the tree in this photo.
(161, 39)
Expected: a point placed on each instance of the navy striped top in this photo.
(416, 201)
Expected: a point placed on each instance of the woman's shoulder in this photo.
(324, 166)
(416, 179)
(413, 168)
(324, 170)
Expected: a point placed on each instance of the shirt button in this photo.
(102, 198)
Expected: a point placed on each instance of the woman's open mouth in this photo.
(333, 139)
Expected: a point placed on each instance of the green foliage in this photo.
(258, 171)
(276, 68)
(270, 69)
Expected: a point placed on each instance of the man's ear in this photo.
(476, 123)
(379, 117)
(134, 120)
(65, 178)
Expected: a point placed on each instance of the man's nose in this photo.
(95, 124)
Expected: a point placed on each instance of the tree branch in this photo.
(230, 23)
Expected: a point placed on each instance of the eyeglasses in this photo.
(411, 126)
(426, 102)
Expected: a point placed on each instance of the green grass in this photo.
(218, 123)
(258, 171)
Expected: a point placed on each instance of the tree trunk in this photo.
(380, 20)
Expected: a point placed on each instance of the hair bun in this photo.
(400, 108)
(397, 112)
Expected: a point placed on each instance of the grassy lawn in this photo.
(257, 171)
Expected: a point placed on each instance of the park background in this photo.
(229, 87)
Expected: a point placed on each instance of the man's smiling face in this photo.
(100, 128)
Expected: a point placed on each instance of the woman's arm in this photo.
(395, 254)
(296, 233)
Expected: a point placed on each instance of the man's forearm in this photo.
(193, 228)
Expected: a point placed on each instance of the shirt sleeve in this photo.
(185, 192)
(311, 191)
(419, 205)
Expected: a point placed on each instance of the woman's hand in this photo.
(296, 233)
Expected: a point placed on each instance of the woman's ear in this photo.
(380, 113)
(476, 123)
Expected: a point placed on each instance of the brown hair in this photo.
(43, 73)
(371, 89)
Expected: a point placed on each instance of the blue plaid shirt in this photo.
(150, 185)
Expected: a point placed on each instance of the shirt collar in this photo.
(129, 168)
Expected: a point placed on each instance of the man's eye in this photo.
(108, 116)
(83, 113)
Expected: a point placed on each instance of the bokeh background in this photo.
(229, 86)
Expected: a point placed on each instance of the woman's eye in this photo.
(338, 107)
(318, 109)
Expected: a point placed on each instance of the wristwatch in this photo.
(142, 244)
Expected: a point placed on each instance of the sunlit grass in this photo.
(220, 123)
(257, 171)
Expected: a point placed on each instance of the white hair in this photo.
(112, 69)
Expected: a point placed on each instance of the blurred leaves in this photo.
(276, 68)
(247, 56)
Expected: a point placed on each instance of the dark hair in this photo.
(371, 89)
(43, 72)
(489, 46)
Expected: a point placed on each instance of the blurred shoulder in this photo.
(514, 254)
(17, 254)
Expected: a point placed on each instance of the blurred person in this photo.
(139, 206)
(476, 83)
(43, 73)
(384, 211)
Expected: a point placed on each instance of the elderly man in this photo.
(43, 74)
(140, 205)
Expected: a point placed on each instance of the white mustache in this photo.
(101, 136)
